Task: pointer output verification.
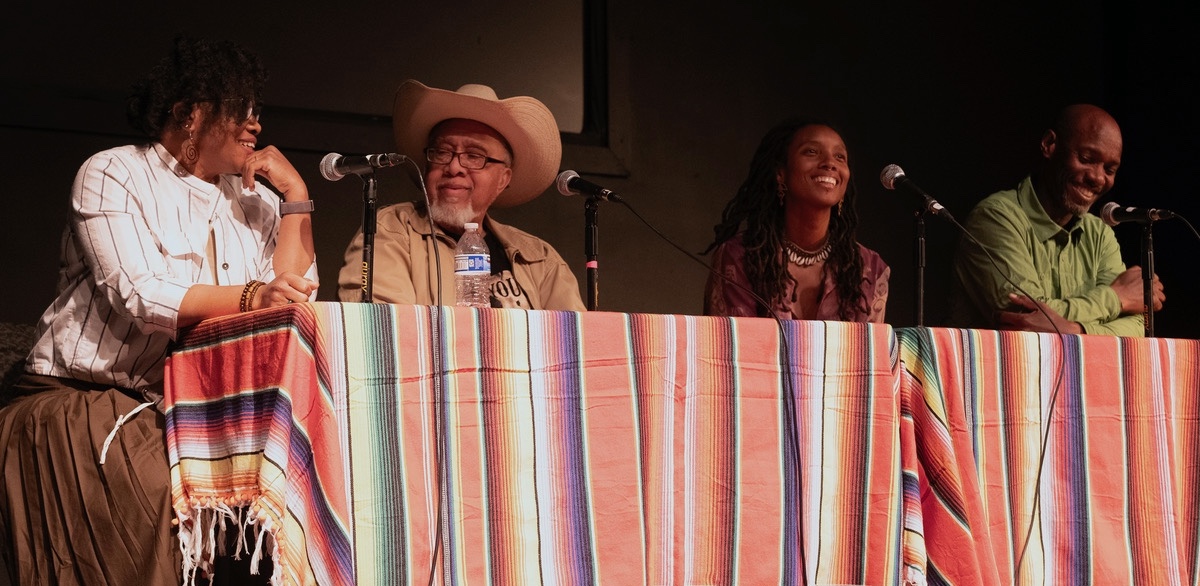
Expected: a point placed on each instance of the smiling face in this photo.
(223, 143)
(817, 169)
(460, 195)
(1082, 156)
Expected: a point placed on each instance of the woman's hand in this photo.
(275, 168)
(294, 251)
(286, 288)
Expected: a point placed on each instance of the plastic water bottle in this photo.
(472, 269)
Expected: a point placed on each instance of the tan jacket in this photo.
(404, 263)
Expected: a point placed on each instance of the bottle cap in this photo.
(471, 226)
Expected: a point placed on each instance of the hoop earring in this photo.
(190, 154)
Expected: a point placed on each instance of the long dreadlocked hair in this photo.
(756, 205)
(221, 73)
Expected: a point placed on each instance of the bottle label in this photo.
(472, 264)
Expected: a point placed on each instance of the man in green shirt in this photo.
(1043, 238)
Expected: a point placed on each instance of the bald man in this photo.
(1042, 236)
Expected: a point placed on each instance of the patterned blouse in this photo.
(723, 298)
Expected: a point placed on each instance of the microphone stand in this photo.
(591, 249)
(1148, 278)
(370, 204)
(920, 263)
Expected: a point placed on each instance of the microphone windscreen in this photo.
(1106, 213)
(564, 182)
(889, 174)
(329, 167)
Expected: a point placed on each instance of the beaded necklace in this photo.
(805, 258)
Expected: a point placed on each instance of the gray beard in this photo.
(452, 218)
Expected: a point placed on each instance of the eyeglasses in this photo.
(248, 107)
(472, 161)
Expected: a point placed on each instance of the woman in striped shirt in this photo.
(161, 235)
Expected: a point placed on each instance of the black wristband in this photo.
(296, 207)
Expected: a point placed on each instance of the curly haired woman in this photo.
(161, 235)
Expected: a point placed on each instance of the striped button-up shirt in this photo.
(136, 241)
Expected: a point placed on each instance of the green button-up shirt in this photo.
(1069, 268)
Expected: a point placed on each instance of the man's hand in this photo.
(1128, 286)
(1034, 316)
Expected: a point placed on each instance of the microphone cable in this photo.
(1050, 409)
(791, 424)
(439, 370)
(437, 361)
(1053, 396)
(887, 177)
(1189, 225)
(1053, 393)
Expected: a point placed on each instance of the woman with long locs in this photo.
(787, 237)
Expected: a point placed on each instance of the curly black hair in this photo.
(756, 205)
(221, 73)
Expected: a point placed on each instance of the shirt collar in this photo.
(515, 242)
(1044, 228)
(181, 172)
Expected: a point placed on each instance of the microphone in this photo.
(893, 177)
(570, 183)
(1112, 213)
(335, 166)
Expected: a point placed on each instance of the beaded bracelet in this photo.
(248, 292)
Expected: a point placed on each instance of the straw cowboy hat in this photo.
(525, 123)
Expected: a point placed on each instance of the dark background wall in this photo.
(957, 95)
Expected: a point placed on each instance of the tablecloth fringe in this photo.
(203, 536)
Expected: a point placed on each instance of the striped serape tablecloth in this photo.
(1118, 498)
(385, 444)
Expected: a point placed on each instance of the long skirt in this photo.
(68, 519)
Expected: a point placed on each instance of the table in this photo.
(377, 444)
(374, 444)
(1118, 499)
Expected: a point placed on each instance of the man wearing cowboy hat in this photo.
(480, 151)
